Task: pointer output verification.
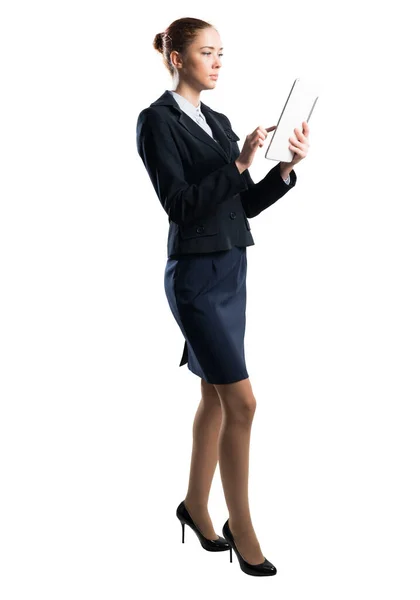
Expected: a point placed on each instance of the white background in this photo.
(96, 416)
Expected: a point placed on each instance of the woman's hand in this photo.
(299, 144)
(252, 142)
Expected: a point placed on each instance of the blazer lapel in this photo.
(217, 129)
(220, 143)
(198, 132)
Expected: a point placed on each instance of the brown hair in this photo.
(178, 36)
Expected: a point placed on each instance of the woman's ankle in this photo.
(194, 504)
(240, 527)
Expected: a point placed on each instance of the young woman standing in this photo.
(202, 181)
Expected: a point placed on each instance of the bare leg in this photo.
(238, 407)
(206, 428)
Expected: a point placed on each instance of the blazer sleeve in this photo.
(266, 192)
(183, 202)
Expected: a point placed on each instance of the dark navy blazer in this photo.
(207, 200)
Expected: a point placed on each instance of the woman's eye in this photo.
(207, 53)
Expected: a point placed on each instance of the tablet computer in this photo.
(299, 106)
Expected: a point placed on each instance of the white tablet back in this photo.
(298, 108)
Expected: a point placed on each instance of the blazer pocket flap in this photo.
(231, 134)
(198, 230)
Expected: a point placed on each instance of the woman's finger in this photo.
(260, 136)
(294, 141)
(303, 134)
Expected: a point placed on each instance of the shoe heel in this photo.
(230, 553)
(218, 545)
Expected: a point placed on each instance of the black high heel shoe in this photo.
(218, 545)
(261, 569)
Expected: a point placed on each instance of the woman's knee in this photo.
(237, 398)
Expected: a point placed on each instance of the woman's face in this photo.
(203, 60)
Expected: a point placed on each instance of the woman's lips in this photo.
(214, 76)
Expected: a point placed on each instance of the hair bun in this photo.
(158, 42)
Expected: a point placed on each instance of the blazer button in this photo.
(233, 215)
(200, 229)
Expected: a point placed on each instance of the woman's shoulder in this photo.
(150, 113)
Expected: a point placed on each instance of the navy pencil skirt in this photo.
(207, 296)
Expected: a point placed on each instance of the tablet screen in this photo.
(298, 107)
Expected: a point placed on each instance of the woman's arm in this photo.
(266, 192)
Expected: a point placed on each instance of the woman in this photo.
(202, 181)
